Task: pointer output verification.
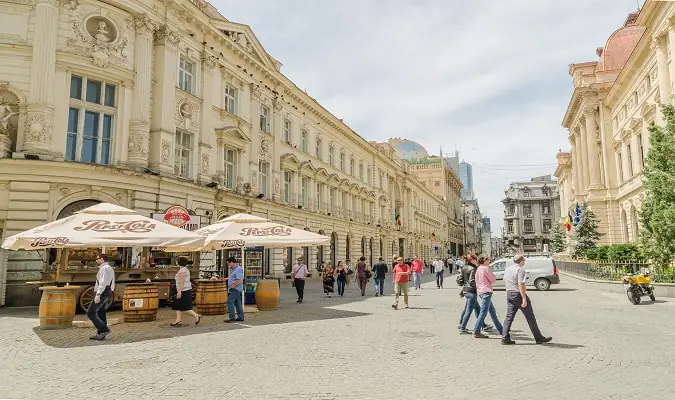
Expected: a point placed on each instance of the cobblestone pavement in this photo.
(355, 348)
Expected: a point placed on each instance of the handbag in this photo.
(368, 274)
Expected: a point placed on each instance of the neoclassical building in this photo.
(154, 103)
(615, 100)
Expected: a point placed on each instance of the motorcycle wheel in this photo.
(652, 297)
(633, 297)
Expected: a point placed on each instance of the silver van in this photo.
(540, 272)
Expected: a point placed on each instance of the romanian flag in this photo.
(398, 217)
(568, 222)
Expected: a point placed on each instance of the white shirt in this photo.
(439, 266)
(104, 277)
(299, 271)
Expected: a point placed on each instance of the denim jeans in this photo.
(417, 278)
(96, 313)
(439, 279)
(341, 283)
(379, 285)
(485, 307)
(234, 302)
(471, 305)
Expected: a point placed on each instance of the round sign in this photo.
(177, 216)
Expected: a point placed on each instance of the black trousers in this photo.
(299, 287)
(439, 279)
(97, 314)
(514, 301)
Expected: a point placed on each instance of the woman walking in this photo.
(362, 275)
(484, 281)
(329, 279)
(183, 301)
(341, 272)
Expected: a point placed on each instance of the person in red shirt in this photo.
(417, 270)
(401, 277)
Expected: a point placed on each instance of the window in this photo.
(182, 155)
(351, 167)
(437, 183)
(361, 171)
(317, 150)
(499, 266)
(90, 120)
(546, 208)
(529, 242)
(381, 180)
(509, 227)
(331, 155)
(629, 153)
(231, 99)
(186, 75)
(648, 83)
(369, 178)
(303, 191)
(264, 171)
(527, 209)
(287, 130)
(303, 140)
(619, 162)
(333, 198)
(342, 161)
(319, 195)
(641, 152)
(230, 170)
(265, 119)
(287, 187)
(528, 228)
(546, 225)
(526, 193)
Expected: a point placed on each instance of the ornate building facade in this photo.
(615, 100)
(149, 104)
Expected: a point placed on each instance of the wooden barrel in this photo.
(211, 297)
(140, 302)
(267, 294)
(57, 307)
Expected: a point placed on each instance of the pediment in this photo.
(290, 158)
(322, 173)
(334, 177)
(308, 164)
(244, 39)
(233, 136)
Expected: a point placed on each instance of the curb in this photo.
(660, 289)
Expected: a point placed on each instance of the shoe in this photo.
(488, 328)
(179, 323)
(298, 301)
(464, 332)
(480, 336)
(239, 320)
(394, 306)
(376, 294)
(230, 320)
(544, 340)
(199, 319)
(508, 342)
(100, 336)
(407, 306)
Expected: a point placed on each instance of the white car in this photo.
(540, 272)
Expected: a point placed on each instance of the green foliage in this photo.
(615, 252)
(585, 233)
(597, 253)
(558, 239)
(657, 239)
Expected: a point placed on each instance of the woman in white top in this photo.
(183, 301)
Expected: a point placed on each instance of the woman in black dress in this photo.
(183, 301)
(328, 279)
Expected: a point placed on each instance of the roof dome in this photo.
(407, 149)
(620, 45)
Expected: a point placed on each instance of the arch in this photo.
(348, 253)
(363, 246)
(624, 226)
(100, 197)
(333, 248)
(370, 251)
(76, 206)
(635, 226)
(320, 255)
(382, 248)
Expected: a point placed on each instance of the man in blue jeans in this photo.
(380, 272)
(235, 285)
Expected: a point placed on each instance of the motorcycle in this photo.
(637, 286)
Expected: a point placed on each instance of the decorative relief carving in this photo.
(119, 197)
(264, 148)
(210, 62)
(166, 151)
(70, 4)
(243, 42)
(205, 163)
(38, 128)
(138, 139)
(9, 112)
(144, 25)
(165, 36)
(99, 38)
(255, 91)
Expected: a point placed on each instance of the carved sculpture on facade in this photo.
(167, 37)
(99, 38)
(9, 109)
(264, 148)
(38, 128)
(166, 151)
(205, 163)
(138, 139)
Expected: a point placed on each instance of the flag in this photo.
(568, 222)
(577, 214)
(398, 217)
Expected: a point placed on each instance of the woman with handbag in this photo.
(183, 300)
(328, 279)
(362, 274)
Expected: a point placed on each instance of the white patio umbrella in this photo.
(104, 225)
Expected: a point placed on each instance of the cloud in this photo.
(488, 78)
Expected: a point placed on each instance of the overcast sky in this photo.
(488, 78)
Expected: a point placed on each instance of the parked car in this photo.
(540, 272)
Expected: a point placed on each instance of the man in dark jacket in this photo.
(469, 292)
(379, 273)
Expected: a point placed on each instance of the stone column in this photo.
(583, 146)
(576, 163)
(670, 50)
(277, 126)
(659, 44)
(139, 126)
(592, 145)
(37, 134)
(163, 127)
(625, 164)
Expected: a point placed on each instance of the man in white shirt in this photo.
(299, 273)
(103, 296)
(439, 267)
(350, 273)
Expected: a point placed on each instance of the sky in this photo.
(486, 78)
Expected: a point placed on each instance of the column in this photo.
(277, 126)
(583, 165)
(139, 126)
(576, 163)
(635, 148)
(659, 44)
(625, 164)
(670, 49)
(37, 134)
(162, 126)
(592, 145)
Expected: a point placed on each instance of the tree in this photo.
(657, 238)
(558, 239)
(585, 233)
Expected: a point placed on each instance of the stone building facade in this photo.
(530, 210)
(615, 100)
(149, 104)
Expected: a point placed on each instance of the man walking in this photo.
(235, 285)
(516, 299)
(379, 272)
(103, 296)
(439, 268)
(401, 276)
(299, 274)
(417, 269)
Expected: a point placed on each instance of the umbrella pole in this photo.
(243, 266)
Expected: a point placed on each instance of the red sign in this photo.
(177, 216)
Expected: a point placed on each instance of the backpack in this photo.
(460, 279)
